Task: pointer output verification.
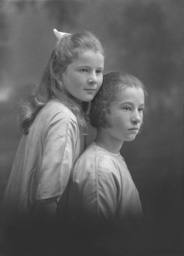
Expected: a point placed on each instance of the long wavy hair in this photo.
(50, 87)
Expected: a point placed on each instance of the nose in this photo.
(92, 78)
(137, 117)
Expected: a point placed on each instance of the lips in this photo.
(133, 129)
(90, 90)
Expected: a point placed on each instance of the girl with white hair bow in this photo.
(54, 126)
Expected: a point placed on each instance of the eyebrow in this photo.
(88, 66)
(130, 102)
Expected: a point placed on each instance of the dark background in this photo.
(142, 37)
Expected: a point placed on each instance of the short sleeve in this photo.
(58, 156)
(96, 186)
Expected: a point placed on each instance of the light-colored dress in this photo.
(44, 159)
(102, 187)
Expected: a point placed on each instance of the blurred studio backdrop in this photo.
(142, 37)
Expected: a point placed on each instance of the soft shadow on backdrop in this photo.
(144, 38)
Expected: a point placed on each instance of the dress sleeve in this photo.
(97, 188)
(59, 148)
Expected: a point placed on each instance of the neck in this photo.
(106, 141)
(77, 101)
(69, 95)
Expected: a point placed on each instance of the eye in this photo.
(84, 70)
(99, 71)
(141, 109)
(126, 108)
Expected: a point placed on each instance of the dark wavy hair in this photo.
(51, 87)
(100, 105)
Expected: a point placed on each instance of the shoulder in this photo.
(55, 117)
(94, 162)
(56, 107)
(54, 112)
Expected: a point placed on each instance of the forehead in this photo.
(130, 94)
(89, 56)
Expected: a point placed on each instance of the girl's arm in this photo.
(58, 157)
(45, 209)
(100, 196)
(94, 191)
(44, 218)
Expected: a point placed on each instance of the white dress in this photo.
(102, 187)
(44, 159)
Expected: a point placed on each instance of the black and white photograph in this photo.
(91, 128)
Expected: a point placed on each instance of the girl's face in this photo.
(84, 76)
(126, 114)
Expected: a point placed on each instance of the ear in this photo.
(108, 117)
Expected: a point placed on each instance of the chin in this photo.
(88, 99)
(131, 138)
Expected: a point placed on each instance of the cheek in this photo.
(121, 121)
(116, 121)
(101, 80)
(142, 118)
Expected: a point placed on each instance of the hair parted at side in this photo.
(66, 50)
(112, 82)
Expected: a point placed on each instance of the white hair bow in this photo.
(59, 34)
